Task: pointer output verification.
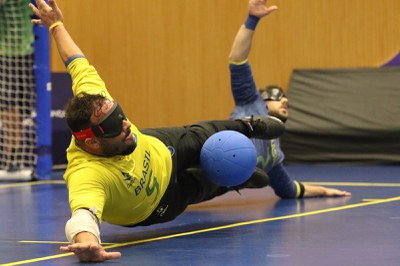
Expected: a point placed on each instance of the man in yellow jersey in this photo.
(119, 174)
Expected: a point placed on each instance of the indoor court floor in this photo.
(254, 228)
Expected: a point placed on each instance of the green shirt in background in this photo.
(16, 37)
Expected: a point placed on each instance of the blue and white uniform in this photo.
(248, 101)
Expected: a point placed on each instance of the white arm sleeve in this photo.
(82, 221)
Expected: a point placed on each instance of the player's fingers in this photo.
(271, 9)
(112, 255)
(36, 21)
(93, 246)
(65, 248)
(76, 247)
(41, 3)
(53, 4)
(34, 9)
(341, 193)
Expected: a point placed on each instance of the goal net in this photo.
(18, 85)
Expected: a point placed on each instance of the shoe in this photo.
(258, 179)
(264, 127)
(17, 174)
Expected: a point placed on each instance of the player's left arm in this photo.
(242, 43)
(242, 84)
(285, 187)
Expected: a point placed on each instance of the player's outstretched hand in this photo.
(333, 192)
(90, 252)
(319, 191)
(259, 9)
(47, 14)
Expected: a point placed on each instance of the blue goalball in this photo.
(228, 158)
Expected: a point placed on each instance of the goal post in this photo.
(43, 102)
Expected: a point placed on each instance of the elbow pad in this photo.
(82, 220)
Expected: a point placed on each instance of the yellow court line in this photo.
(353, 184)
(370, 199)
(297, 215)
(33, 183)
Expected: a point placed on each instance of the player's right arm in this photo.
(244, 90)
(242, 44)
(50, 15)
(86, 198)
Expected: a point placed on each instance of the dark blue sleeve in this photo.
(281, 182)
(244, 90)
(72, 58)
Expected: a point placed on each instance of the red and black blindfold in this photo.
(108, 127)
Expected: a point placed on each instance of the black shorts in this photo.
(187, 184)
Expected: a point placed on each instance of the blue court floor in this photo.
(254, 228)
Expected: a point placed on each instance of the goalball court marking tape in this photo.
(206, 230)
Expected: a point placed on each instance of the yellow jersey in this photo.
(122, 190)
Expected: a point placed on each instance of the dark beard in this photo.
(129, 149)
(281, 117)
(110, 151)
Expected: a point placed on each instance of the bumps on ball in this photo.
(228, 158)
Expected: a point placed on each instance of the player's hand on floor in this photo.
(319, 191)
(333, 192)
(90, 252)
